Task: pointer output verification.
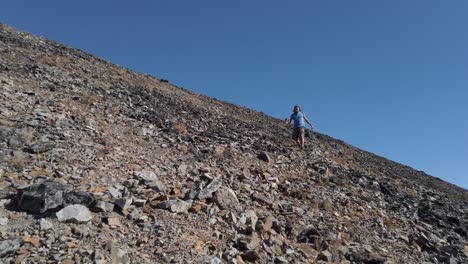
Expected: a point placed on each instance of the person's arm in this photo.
(289, 120)
(308, 122)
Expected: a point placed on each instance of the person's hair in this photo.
(297, 107)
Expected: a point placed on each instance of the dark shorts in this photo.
(298, 132)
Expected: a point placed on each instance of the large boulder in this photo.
(50, 196)
(42, 197)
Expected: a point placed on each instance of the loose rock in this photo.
(74, 214)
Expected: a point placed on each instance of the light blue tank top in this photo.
(298, 119)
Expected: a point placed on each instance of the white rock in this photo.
(249, 218)
(76, 213)
(3, 221)
(147, 176)
(45, 225)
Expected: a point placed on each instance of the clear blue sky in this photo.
(389, 77)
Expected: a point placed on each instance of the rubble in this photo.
(103, 165)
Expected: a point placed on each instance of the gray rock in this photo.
(192, 194)
(139, 202)
(251, 256)
(123, 203)
(165, 205)
(114, 193)
(226, 199)
(45, 225)
(249, 218)
(265, 157)
(176, 206)
(15, 143)
(208, 191)
(146, 176)
(262, 198)
(8, 247)
(423, 242)
(101, 206)
(50, 196)
(40, 198)
(157, 186)
(77, 198)
(150, 179)
(212, 260)
(325, 256)
(3, 221)
(248, 243)
(281, 260)
(76, 213)
(40, 147)
(181, 206)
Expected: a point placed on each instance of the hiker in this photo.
(299, 119)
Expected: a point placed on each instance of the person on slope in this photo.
(299, 119)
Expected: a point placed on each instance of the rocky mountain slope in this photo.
(99, 164)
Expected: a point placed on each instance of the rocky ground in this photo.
(99, 164)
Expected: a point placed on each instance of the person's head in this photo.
(296, 109)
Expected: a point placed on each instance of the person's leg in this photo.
(296, 136)
(301, 136)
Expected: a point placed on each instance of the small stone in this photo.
(69, 245)
(239, 260)
(265, 157)
(226, 199)
(196, 208)
(3, 221)
(157, 186)
(146, 176)
(123, 203)
(67, 261)
(101, 206)
(183, 148)
(404, 238)
(77, 198)
(268, 223)
(113, 221)
(114, 193)
(176, 206)
(325, 256)
(262, 198)
(212, 260)
(40, 147)
(249, 218)
(74, 214)
(8, 247)
(139, 202)
(182, 170)
(45, 225)
(281, 260)
(251, 256)
(249, 243)
(210, 189)
(32, 240)
(308, 251)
